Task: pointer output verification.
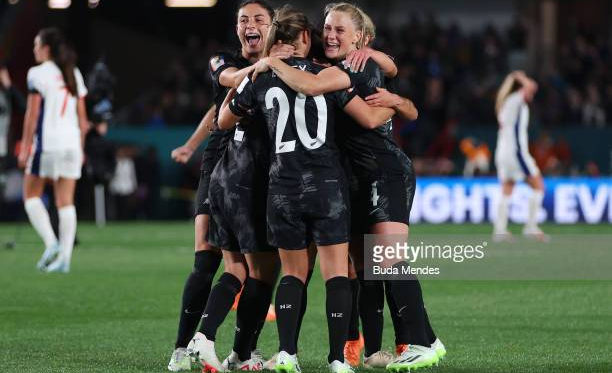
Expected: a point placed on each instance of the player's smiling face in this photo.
(252, 28)
(339, 35)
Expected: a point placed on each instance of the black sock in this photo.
(338, 308)
(409, 302)
(401, 334)
(431, 336)
(371, 305)
(288, 308)
(353, 332)
(219, 304)
(195, 294)
(251, 313)
(255, 339)
(303, 306)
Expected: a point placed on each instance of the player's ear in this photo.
(357, 39)
(305, 37)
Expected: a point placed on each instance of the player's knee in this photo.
(300, 272)
(203, 245)
(266, 274)
(238, 269)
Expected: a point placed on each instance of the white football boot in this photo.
(413, 358)
(286, 363)
(535, 233)
(180, 360)
(59, 265)
(232, 362)
(271, 363)
(48, 256)
(439, 348)
(379, 359)
(207, 357)
(340, 367)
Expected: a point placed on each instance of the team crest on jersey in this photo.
(216, 62)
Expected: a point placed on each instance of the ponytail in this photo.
(286, 27)
(62, 55)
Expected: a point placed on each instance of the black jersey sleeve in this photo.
(369, 79)
(391, 84)
(245, 101)
(353, 76)
(219, 63)
(342, 97)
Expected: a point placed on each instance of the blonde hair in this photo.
(369, 30)
(357, 17)
(504, 91)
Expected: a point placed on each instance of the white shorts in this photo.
(515, 167)
(56, 164)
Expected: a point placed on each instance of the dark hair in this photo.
(317, 46)
(61, 55)
(287, 25)
(261, 3)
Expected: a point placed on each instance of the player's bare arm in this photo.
(327, 80)
(404, 107)
(83, 122)
(29, 124)
(529, 86)
(357, 60)
(232, 77)
(183, 153)
(367, 116)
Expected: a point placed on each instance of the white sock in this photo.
(67, 230)
(535, 202)
(39, 218)
(501, 220)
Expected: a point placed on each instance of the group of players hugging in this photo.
(301, 162)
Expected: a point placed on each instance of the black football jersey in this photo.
(217, 141)
(304, 155)
(372, 154)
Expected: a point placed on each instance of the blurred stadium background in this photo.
(452, 57)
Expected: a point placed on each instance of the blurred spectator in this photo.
(124, 184)
(477, 157)
(10, 99)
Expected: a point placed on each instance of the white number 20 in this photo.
(300, 120)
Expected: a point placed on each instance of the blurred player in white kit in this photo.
(512, 158)
(52, 144)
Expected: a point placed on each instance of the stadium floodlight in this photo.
(59, 4)
(190, 3)
(13, 2)
(93, 3)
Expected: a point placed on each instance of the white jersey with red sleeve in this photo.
(57, 127)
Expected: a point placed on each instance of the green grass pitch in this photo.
(117, 310)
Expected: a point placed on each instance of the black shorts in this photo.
(381, 200)
(202, 202)
(295, 220)
(238, 218)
